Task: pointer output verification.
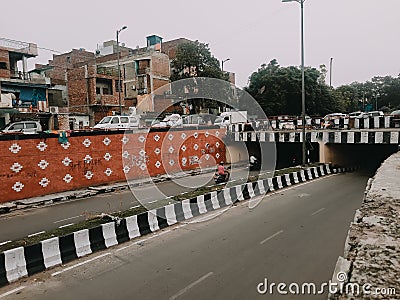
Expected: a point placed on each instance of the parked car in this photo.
(26, 127)
(355, 114)
(193, 120)
(287, 125)
(371, 114)
(329, 120)
(395, 118)
(230, 118)
(395, 113)
(174, 120)
(118, 122)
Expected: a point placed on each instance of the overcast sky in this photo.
(362, 36)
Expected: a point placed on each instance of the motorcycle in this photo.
(221, 178)
(255, 165)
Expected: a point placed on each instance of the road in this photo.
(292, 236)
(19, 224)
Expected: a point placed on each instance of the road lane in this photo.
(19, 224)
(228, 246)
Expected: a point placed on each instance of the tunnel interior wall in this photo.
(362, 155)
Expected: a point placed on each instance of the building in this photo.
(28, 90)
(89, 81)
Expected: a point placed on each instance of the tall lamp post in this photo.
(303, 92)
(222, 68)
(222, 63)
(119, 71)
(330, 73)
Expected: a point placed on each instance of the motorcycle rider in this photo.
(221, 171)
(254, 163)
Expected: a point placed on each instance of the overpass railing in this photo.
(318, 123)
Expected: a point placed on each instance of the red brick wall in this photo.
(77, 90)
(160, 65)
(35, 167)
(4, 57)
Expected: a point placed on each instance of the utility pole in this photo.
(119, 72)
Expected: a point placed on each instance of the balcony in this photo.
(28, 49)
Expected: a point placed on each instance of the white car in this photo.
(355, 114)
(173, 120)
(26, 127)
(118, 122)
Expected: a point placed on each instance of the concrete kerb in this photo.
(26, 261)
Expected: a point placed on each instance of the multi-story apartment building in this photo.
(28, 91)
(91, 83)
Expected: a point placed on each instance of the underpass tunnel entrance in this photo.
(290, 154)
(368, 156)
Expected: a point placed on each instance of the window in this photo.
(98, 91)
(17, 126)
(115, 120)
(105, 120)
(3, 65)
(105, 91)
(124, 120)
(30, 125)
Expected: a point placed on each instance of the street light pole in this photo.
(119, 72)
(330, 73)
(223, 61)
(303, 92)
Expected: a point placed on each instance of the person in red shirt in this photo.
(221, 175)
(221, 168)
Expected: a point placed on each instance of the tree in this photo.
(195, 60)
(278, 90)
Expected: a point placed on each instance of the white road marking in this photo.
(184, 290)
(80, 264)
(67, 219)
(271, 237)
(12, 291)
(136, 206)
(37, 233)
(66, 225)
(3, 243)
(154, 201)
(318, 211)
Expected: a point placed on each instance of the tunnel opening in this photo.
(290, 154)
(364, 156)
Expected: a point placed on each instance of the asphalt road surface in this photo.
(293, 236)
(19, 224)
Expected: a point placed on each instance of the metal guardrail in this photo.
(318, 124)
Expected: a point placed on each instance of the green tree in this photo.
(278, 90)
(195, 60)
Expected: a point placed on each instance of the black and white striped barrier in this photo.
(26, 261)
(373, 122)
(334, 136)
(318, 123)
